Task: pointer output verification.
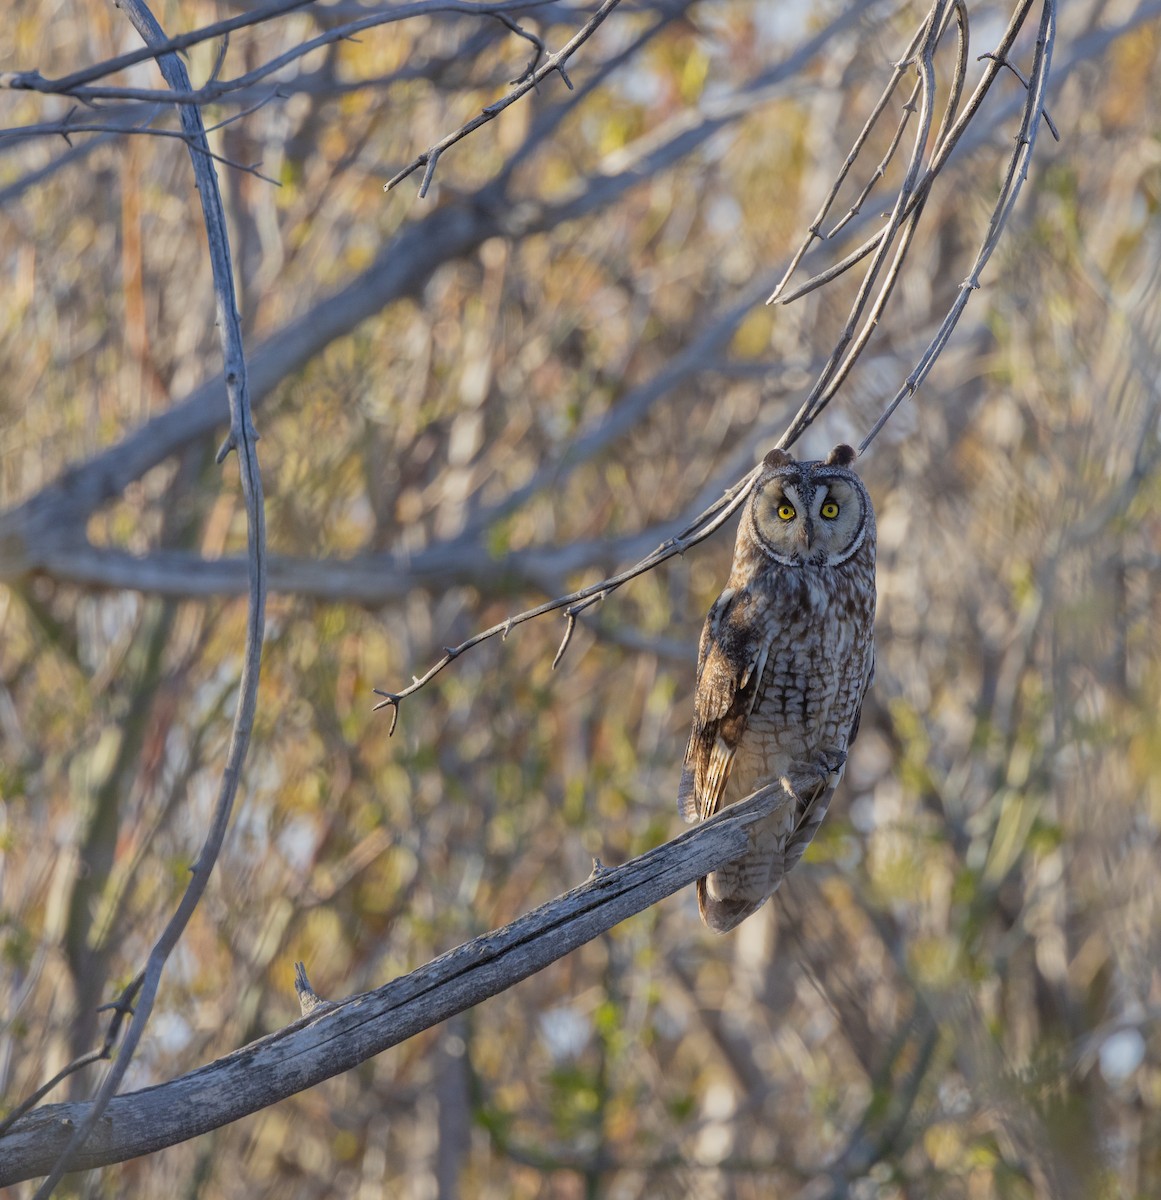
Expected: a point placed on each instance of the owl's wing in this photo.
(868, 679)
(816, 804)
(730, 665)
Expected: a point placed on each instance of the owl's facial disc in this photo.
(782, 523)
(816, 520)
(840, 519)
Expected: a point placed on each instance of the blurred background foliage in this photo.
(956, 995)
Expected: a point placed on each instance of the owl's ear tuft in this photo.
(777, 458)
(841, 456)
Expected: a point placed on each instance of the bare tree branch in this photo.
(368, 579)
(1014, 180)
(575, 603)
(351, 1031)
(47, 531)
(555, 62)
(139, 996)
(68, 127)
(903, 220)
(76, 84)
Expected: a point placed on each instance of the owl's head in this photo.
(810, 513)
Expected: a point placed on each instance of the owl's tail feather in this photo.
(723, 915)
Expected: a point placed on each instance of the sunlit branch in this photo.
(1016, 174)
(835, 369)
(813, 230)
(910, 223)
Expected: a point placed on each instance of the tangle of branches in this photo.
(930, 121)
(884, 254)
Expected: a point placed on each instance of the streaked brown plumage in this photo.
(786, 657)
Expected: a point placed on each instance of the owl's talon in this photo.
(831, 760)
(807, 775)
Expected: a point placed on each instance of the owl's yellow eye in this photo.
(786, 512)
(830, 510)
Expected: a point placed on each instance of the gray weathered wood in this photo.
(317, 1047)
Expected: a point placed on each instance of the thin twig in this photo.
(939, 157)
(881, 170)
(77, 85)
(33, 1100)
(959, 10)
(537, 44)
(1020, 76)
(701, 527)
(555, 62)
(33, 81)
(910, 224)
(812, 231)
(66, 127)
(74, 84)
(839, 363)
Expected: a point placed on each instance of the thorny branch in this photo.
(706, 523)
(903, 220)
(555, 62)
(901, 223)
(1013, 181)
(80, 84)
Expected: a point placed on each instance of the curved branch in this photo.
(1017, 172)
(351, 1031)
(841, 362)
(139, 996)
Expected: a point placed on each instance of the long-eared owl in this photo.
(786, 656)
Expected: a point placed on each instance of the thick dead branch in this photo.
(351, 1031)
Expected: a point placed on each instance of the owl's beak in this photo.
(806, 535)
